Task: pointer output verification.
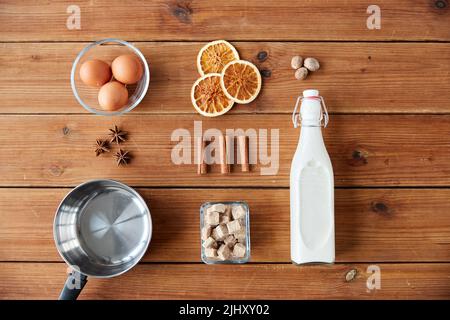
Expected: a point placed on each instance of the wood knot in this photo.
(182, 11)
(266, 73)
(262, 56)
(380, 207)
(65, 131)
(351, 275)
(359, 158)
(56, 170)
(35, 57)
(441, 4)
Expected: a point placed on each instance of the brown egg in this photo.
(95, 73)
(112, 96)
(127, 68)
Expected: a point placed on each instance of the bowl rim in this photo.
(83, 52)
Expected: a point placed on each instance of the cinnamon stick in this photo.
(201, 164)
(243, 152)
(229, 143)
(224, 167)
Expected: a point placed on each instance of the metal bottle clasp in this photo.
(324, 118)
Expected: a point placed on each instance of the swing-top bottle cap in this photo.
(311, 110)
(310, 93)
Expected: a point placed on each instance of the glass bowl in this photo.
(246, 242)
(107, 50)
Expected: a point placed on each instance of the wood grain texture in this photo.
(154, 281)
(47, 143)
(354, 77)
(371, 225)
(377, 150)
(232, 19)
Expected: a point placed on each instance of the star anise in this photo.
(101, 146)
(122, 157)
(117, 135)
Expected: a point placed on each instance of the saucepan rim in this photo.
(128, 188)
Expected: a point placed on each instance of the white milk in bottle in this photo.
(311, 186)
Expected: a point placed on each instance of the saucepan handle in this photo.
(74, 284)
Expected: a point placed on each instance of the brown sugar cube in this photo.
(240, 235)
(218, 207)
(239, 250)
(211, 253)
(220, 232)
(227, 211)
(224, 252)
(209, 243)
(212, 218)
(233, 226)
(238, 212)
(206, 232)
(230, 240)
(224, 219)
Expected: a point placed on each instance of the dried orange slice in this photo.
(241, 81)
(208, 97)
(214, 56)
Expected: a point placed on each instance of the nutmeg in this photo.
(296, 62)
(312, 64)
(301, 73)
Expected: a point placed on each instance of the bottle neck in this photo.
(313, 133)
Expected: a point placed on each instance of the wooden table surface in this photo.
(388, 93)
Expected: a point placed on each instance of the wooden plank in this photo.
(354, 77)
(154, 281)
(377, 150)
(233, 19)
(371, 225)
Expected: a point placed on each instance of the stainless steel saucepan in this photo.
(102, 229)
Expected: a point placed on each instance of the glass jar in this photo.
(245, 221)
